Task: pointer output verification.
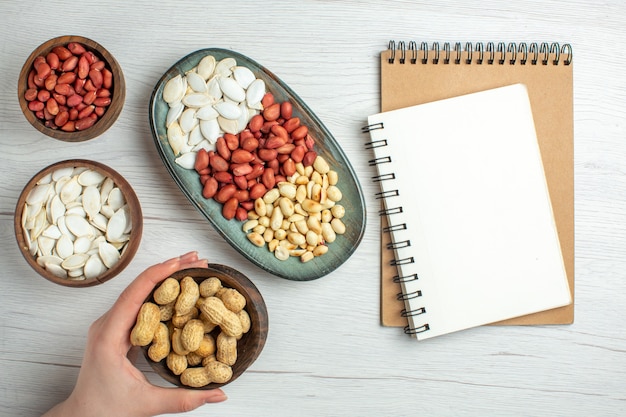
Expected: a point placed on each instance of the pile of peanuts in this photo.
(69, 88)
(194, 328)
(270, 176)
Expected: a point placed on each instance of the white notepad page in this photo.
(476, 207)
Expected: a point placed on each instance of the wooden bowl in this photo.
(250, 345)
(36, 261)
(118, 93)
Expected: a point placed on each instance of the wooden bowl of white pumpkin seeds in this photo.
(78, 223)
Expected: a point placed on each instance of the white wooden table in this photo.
(327, 353)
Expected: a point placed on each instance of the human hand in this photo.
(108, 383)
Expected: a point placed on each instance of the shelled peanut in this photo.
(69, 88)
(194, 327)
(245, 165)
(301, 216)
(264, 162)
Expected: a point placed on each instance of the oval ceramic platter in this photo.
(231, 230)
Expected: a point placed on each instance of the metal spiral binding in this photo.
(399, 245)
(375, 126)
(410, 295)
(404, 278)
(390, 211)
(378, 161)
(394, 193)
(416, 330)
(387, 194)
(415, 312)
(496, 54)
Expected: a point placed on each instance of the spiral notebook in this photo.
(469, 212)
(412, 75)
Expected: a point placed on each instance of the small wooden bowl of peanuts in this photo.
(71, 88)
(78, 223)
(201, 328)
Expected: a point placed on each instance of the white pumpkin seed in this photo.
(105, 188)
(45, 245)
(210, 130)
(57, 209)
(187, 160)
(78, 225)
(49, 260)
(255, 92)
(228, 125)
(195, 136)
(204, 144)
(90, 177)
(214, 88)
(196, 82)
(65, 247)
(225, 66)
(174, 89)
(176, 137)
(244, 76)
(61, 173)
(116, 199)
(174, 113)
(108, 254)
(70, 191)
(91, 201)
(228, 110)
(206, 113)
(52, 231)
(74, 261)
(94, 267)
(232, 89)
(197, 100)
(56, 270)
(116, 225)
(38, 194)
(46, 179)
(99, 222)
(206, 67)
(82, 244)
(188, 120)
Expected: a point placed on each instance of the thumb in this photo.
(181, 400)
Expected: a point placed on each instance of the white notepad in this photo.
(472, 226)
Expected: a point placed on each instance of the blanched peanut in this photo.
(293, 213)
(338, 226)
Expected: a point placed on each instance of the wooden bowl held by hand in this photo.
(250, 345)
(42, 248)
(110, 112)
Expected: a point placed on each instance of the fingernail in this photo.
(189, 255)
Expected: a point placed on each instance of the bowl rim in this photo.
(135, 211)
(258, 316)
(118, 93)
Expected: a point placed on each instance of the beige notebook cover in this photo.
(414, 73)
